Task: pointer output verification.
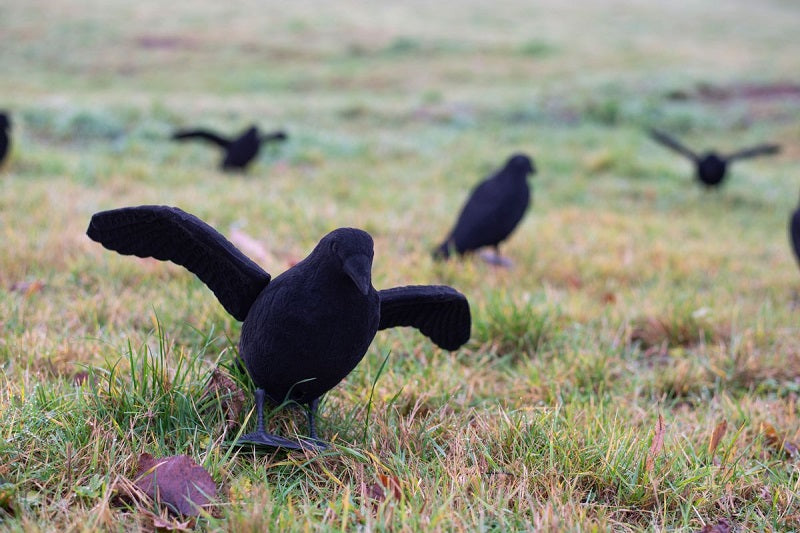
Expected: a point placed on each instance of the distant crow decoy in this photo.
(303, 331)
(712, 166)
(492, 211)
(239, 152)
(5, 135)
(794, 232)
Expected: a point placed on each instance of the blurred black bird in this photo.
(5, 135)
(712, 166)
(794, 232)
(303, 331)
(492, 212)
(239, 152)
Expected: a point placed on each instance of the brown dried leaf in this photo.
(723, 525)
(26, 288)
(231, 397)
(778, 443)
(374, 492)
(7, 491)
(716, 436)
(656, 446)
(177, 482)
(608, 297)
(392, 485)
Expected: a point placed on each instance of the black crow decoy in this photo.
(303, 331)
(794, 232)
(5, 135)
(493, 210)
(711, 166)
(239, 152)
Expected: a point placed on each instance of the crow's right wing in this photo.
(171, 234)
(762, 149)
(439, 312)
(672, 144)
(277, 135)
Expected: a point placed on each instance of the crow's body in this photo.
(711, 167)
(493, 210)
(794, 233)
(239, 152)
(5, 135)
(304, 331)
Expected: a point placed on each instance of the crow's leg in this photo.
(260, 437)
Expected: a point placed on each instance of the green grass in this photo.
(634, 293)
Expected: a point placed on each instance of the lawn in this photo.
(637, 369)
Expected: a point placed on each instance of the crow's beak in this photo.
(359, 268)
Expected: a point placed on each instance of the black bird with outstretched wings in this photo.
(711, 167)
(305, 330)
(238, 151)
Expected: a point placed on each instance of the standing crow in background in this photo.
(711, 166)
(5, 135)
(239, 152)
(492, 211)
(304, 331)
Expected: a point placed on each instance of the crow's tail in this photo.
(442, 252)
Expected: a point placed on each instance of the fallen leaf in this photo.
(778, 443)
(176, 481)
(723, 525)
(656, 446)
(392, 484)
(374, 492)
(716, 436)
(231, 397)
(26, 288)
(7, 491)
(386, 487)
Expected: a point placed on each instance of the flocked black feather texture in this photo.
(439, 312)
(171, 234)
(304, 331)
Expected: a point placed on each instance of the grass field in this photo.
(635, 294)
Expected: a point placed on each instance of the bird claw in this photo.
(496, 260)
(262, 438)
